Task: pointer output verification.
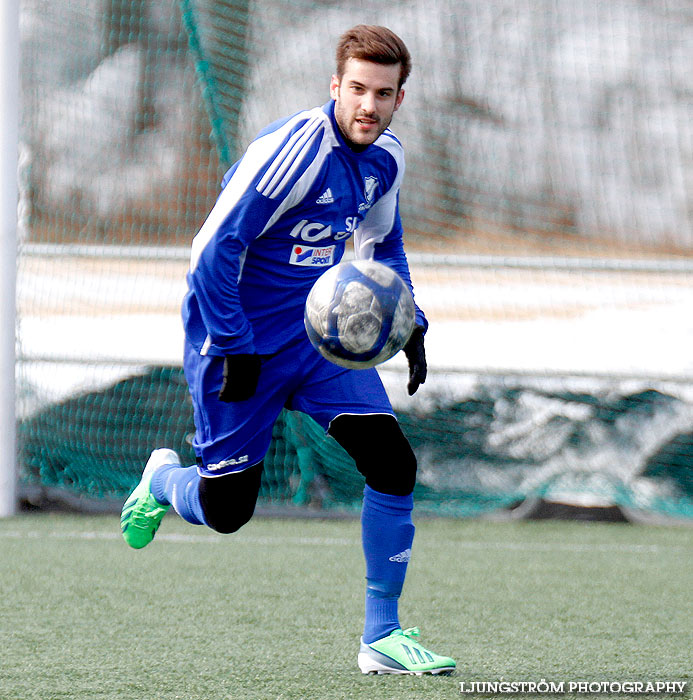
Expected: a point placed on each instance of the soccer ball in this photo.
(359, 314)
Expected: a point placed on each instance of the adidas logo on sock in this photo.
(325, 198)
(402, 557)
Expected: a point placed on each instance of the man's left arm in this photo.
(390, 251)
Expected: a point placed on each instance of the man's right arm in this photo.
(270, 178)
(216, 268)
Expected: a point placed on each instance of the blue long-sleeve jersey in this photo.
(283, 217)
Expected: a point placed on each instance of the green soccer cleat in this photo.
(142, 513)
(400, 652)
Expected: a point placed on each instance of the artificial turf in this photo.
(275, 611)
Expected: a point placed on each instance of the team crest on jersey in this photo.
(312, 257)
(370, 184)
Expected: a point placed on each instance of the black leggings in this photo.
(376, 443)
(228, 501)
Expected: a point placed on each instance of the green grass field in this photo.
(275, 611)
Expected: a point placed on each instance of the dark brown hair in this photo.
(375, 44)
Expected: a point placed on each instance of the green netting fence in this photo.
(546, 212)
(96, 444)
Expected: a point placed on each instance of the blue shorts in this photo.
(233, 436)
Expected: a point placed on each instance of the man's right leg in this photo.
(228, 502)
(219, 491)
(224, 503)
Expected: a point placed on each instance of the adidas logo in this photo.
(325, 198)
(402, 557)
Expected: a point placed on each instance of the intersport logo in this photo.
(312, 257)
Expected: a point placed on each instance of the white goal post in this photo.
(9, 134)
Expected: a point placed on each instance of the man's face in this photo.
(365, 98)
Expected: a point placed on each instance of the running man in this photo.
(305, 185)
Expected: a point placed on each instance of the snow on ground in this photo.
(88, 322)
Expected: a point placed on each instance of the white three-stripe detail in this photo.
(288, 160)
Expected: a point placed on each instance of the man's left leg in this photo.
(353, 406)
(376, 444)
(383, 455)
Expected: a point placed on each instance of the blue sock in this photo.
(387, 534)
(179, 486)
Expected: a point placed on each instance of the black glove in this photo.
(416, 355)
(241, 374)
